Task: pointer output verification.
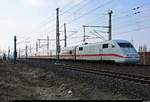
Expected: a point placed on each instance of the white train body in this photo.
(119, 51)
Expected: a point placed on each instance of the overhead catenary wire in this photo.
(133, 24)
(78, 9)
(75, 20)
(86, 13)
(125, 13)
(124, 21)
(83, 15)
(133, 8)
(49, 20)
(100, 6)
(68, 3)
(52, 19)
(132, 13)
(134, 30)
(97, 36)
(74, 6)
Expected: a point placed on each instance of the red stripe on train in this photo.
(116, 55)
(89, 55)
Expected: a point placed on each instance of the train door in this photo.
(101, 53)
(75, 52)
(105, 50)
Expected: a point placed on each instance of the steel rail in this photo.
(125, 76)
(102, 63)
(119, 75)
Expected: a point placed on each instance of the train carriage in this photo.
(68, 53)
(119, 51)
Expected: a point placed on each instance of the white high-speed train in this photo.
(119, 51)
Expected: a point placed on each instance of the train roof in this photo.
(108, 41)
(102, 42)
(120, 40)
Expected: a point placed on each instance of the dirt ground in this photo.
(23, 82)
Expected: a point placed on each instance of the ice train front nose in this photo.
(132, 58)
(130, 52)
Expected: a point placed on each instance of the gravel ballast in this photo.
(23, 82)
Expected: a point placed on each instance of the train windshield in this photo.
(125, 45)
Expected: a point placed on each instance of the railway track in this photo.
(89, 62)
(120, 68)
(95, 69)
(125, 76)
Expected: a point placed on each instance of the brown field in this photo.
(23, 82)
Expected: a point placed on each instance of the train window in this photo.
(113, 46)
(125, 45)
(105, 45)
(80, 48)
(70, 52)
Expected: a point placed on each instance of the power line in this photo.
(62, 13)
(42, 25)
(133, 13)
(52, 19)
(128, 21)
(23, 41)
(83, 6)
(100, 6)
(134, 30)
(134, 8)
(135, 23)
(98, 35)
(79, 16)
(83, 15)
(67, 10)
(66, 6)
(76, 5)
(126, 16)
